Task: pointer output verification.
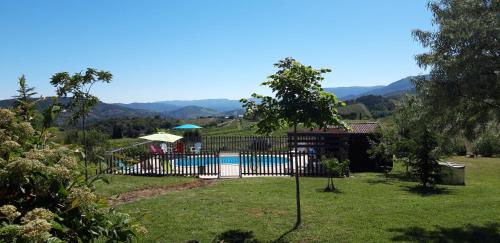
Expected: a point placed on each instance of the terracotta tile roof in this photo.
(357, 128)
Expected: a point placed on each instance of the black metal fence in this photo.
(280, 163)
(255, 156)
(182, 164)
(214, 164)
(241, 143)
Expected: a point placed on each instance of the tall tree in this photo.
(413, 139)
(463, 90)
(298, 99)
(78, 86)
(25, 101)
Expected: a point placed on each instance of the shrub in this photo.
(488, 144)
(454, 146)
(335, 168)
(44, 198)
(14, 136)
(383, 148)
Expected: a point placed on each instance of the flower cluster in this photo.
(10, 145)
(36, 230)
(83, 194)
(60, 172)
(35, 225)
(38, 213)
(6, 117)
(20, 165)
(9, 212)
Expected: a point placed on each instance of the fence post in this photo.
(218, 162)
(240, 165)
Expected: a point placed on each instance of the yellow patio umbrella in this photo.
(162, 137)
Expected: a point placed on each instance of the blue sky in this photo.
(165, 50)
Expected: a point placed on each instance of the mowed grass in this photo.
(368, 208)
(121, 183)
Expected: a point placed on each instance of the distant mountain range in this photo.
(187, 109)
(343, 92)
(100, 111)
(393, 89)
(218, 105)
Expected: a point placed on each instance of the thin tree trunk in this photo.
(297, 185)
(85, 147)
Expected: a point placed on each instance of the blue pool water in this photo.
(264, 160)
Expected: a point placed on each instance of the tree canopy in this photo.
(298, 98)
(464, 60)
(79, 86)
(25, 103)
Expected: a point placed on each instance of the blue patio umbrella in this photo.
(187, 126)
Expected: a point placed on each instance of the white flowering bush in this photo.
(43, 197)
(14, 136)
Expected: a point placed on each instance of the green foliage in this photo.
(454, 145)
(131, 127)
(384, 146)
(298, 98)
(25, 103)
(488, 143)
(49, 113)
(192, 135)
(97, 144)
(79, 86)
(425, 156)
(15, 136)
(356, 111)
(463, 91)
(377, 105)
(335, 168)
(43, 197)
(117, 132)
(413, 139)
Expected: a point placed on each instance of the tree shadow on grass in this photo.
(379, 181)
(241, 236)
(426, 191)
(469, 233)
(236, 236)
(281, 239)
(389, 178)
(400, 176)
(322, 190)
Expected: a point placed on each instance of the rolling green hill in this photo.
(357, 111)
(191, 112)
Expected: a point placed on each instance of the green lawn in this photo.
(367, 209)
(120, 183)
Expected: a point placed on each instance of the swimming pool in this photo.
(231, 160)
